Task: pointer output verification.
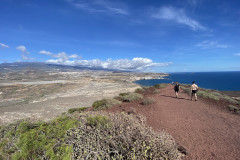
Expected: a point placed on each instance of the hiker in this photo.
(194, 89)
(176, 89)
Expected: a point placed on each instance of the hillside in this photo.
(205, 128)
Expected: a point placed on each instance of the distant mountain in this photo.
(5, 67)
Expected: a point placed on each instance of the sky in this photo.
(135, 35)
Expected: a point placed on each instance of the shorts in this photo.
(194, 91)
(176, 90)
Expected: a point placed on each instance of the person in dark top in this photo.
(176, 89)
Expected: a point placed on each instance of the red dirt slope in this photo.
(206, 131)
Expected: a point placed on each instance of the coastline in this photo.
(234, 94)
(220, 81)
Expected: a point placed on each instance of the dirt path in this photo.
(207, 132)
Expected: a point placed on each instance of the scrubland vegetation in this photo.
(214, 95)
(81, 134)
(105, 103)
(210, 94)
(139, 90)
(129, 97)
(86, 135)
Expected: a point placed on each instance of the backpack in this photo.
(176, 87)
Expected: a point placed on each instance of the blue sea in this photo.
(222, 81)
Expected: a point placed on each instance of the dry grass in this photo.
(234, 109)
(139, 90)
(129, 97)
(210, 94)
(77, 109)
(161, 85)
(148, 101)
(156, 91)
(105, 103)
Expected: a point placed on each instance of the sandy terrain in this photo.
(41, 91)
(81, 93)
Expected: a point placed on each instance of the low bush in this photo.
(186, 89)
(146, 87)
(90, 135)
(207, 94)
(161, 85)
(231, 100)
(97, 121)
(77, 109)
(119, 136)
(129, 97)
(132, 111)
(39, 140)
(148, 101)
(156, 91)
(105, 103)
(139, 90)
(234, 109)
(124, 94)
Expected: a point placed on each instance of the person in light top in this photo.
(194, 89)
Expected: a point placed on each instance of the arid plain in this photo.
(40, 91)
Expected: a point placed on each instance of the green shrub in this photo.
(91, 135)
(207, 94)
(161, 85)
(234, 109)
(131, 97)
(105, 103)
(77, 109)
(39, 140)
(120, 136)
(97, 121)
(156, 91)
(231, 100)
(146, 87)
(186, 89)
(148, 101)
(123, 94)
(139, 90)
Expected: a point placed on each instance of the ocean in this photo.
(222, 81)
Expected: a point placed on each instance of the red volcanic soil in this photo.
(205, 129)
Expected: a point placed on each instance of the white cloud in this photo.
(211, 44)
(62, 57)
(136, 64)
(4, 45)
(100, 6)
(25, 53)
(46, 52)
(237, 54)
(179, 16)
(22, 48)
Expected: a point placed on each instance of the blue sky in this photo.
(138, 35)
